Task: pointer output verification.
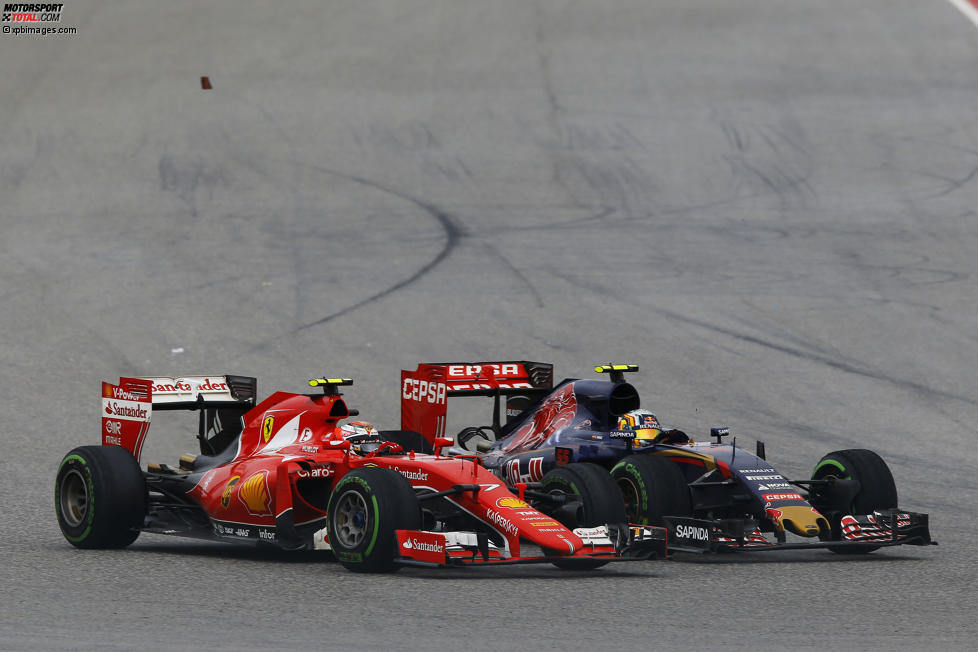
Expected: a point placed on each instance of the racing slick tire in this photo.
(598, 503)
(409, 440)
(652, 487)
(366, 507)
(876, 489)
(100, 497)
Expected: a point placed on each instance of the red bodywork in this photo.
(291, 452)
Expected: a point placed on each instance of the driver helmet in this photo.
(643, 423)
(363, 437)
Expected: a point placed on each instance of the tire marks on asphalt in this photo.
(453, 233)
(814, 356)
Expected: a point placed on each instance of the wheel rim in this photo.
(851, 508)
(571, 512)
(350, 520)
(629, 491)
(74, 498)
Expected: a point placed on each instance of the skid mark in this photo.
(537, 298)
(822, 359)
(453, 233)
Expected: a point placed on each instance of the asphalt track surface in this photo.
(770, 206)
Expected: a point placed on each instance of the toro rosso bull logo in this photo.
(557, 412)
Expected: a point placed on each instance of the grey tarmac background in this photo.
(770, 206)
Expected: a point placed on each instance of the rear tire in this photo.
(366, 508)
(652, 487)
(599, 500)
(876, 489)
(100, 497)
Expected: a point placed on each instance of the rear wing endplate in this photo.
(425, 390)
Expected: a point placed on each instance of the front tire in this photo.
(653, 487)
(596, 499)
(100, 497)
(366, 508)
(876, 489)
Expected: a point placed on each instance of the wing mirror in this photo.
(440, 443)
(338, 444)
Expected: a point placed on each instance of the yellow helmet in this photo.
(642, 422)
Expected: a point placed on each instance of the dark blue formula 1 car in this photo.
(710, 495)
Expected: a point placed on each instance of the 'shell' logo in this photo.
(266, 427)
(255, 495)
(511, 501)
(226, 496)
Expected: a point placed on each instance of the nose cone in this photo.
(800, 519)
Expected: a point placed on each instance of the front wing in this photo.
(880, 529)
(607, 544)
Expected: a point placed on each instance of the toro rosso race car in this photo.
(285, 472)
(711, 496)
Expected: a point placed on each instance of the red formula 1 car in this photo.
(285, 472)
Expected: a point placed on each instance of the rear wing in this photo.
(127, 408)
(425, 391)
(195, 392)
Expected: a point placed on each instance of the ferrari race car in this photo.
(285, 472)
(711, 496)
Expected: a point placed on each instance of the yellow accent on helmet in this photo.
(642, 422)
